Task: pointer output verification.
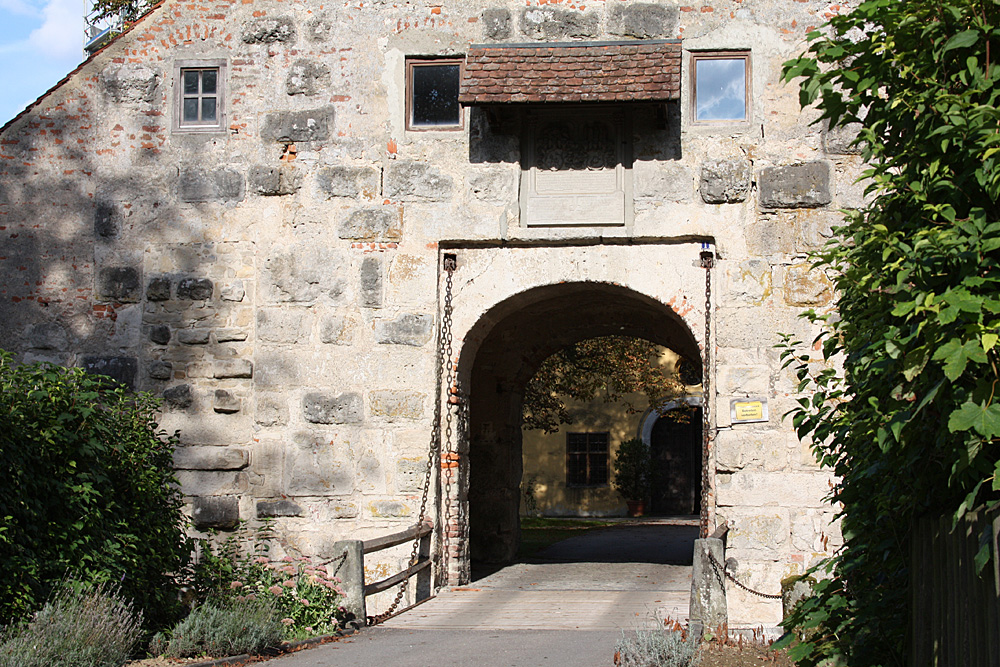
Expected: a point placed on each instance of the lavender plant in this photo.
(224, 628)
(80, 626)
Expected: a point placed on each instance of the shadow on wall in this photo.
(496, 133)
(101, 265)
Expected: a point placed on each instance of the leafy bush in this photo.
(306, 599)
(633, 469)
(81, 626)
(86, 490)
(660, 647)
(903, 405)
(230, 628)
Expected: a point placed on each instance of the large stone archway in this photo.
(512, 309)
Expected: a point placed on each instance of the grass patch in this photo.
(540, 532)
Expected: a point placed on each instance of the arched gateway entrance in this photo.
(499, 352)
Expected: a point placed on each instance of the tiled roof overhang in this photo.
(633, 71)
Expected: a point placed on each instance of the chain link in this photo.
(340, 563)
(719, 568)
(707, 262)
(450, 462)
(445, 369)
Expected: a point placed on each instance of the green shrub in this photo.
(81, 626)
(306, 599)
(86, 490)
(660, 647)
(633, 466)
(228, 628)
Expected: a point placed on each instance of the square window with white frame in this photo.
(432, 93)
(720, 82)
(200, 102)
(587, 459)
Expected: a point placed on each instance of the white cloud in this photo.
(60, 37)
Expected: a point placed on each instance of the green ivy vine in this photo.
(903, 404)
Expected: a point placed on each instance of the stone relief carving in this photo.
(561, 145)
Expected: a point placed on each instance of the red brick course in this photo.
(641, 71)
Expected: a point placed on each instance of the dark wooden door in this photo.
(676, 451)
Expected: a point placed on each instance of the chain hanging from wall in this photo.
(724, 571)
(445, 371)
(449, 460)
(707, 497)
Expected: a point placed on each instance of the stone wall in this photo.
(277, 282)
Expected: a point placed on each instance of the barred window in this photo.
(587, 459)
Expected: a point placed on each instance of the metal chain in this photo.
(340, 563)
(720, 569)
(445, 368)
(707, 262)
(450, 460)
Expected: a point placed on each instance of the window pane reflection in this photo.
(435, 95)
(208, 109)
(190, 109)
(208, 78)
(721, 89)
(191, 83)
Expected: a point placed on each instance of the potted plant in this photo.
(632, 464)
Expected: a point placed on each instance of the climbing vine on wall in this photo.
(906, 407)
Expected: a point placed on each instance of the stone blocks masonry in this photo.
(276, 280)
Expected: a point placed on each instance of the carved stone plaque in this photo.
(576, 168)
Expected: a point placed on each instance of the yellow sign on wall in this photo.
(743, 410)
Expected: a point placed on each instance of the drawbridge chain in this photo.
(707, 263)
(445, 374)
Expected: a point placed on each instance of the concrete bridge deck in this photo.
(566, 607)
(611, 578)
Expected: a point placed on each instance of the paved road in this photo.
(567, 607)
(388, 647)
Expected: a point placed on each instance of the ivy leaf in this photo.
(957, 355)
(961, 40)
(983, 555)
(984, 419)
(914, 363)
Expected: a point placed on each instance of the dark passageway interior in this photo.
(502, 353)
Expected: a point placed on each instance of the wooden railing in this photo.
(351, 568)
(421, 532)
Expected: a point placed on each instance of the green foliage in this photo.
(305, 598)
(81, 626)
(633, 469)
(910, 424)
(86, 490)
(663, 647)
(231, 628)
(122, 11)
(606, 367)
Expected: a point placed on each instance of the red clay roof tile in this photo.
(647, 71)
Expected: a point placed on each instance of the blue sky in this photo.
(40, 42)
(721, 89)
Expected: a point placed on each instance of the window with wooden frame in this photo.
(587, 459)
(200, 100)
(432, 93)
(720, 83)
